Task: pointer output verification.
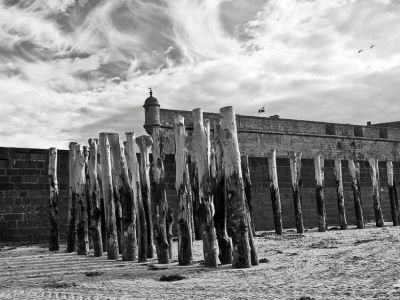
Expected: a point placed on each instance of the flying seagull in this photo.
(359, 51)
(261, 110)
(372, 46)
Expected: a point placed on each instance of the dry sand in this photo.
(352, 264)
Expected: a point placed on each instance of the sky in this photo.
(70, 69)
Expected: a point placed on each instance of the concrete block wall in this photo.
(24, 194)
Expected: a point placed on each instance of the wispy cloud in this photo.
(70, 69)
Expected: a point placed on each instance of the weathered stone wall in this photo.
(24, 194)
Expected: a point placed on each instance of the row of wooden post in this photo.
(121, 207)
(295, 168)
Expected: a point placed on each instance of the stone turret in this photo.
(151, 113)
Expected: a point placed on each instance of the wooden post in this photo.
(319, 178)
(220, 216)
(295, 172)
(394, 201)
(108, 194)
(115, 151)
(144, 143)
(375, 192)
(94, 199)
(205, 205)
(53, 201)
(81, 201)
(102, 206)
(71, 236)
(234, 190)
(247, 191)
(274, 190)
(170, 222)
(355, 184)
(159, 198)
(88, 201)
(127, 206)
(194, 182)
(136, 185)
(183, 188)
(339, 194)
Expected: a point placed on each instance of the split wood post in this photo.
(115, 151)
(81, 201)
(127, 202)
(374, 164)
(144, 143)
(53, 201)
(339, 194)
(88, 201)
(274, 190)
(355, 184)
(295, 172)
(394, 201)
(95, 200)
(159, 198)
(319, 179)
(194, 182)
(71, 236)
(234, 190)
(136, 185)
(220, 216)
(102, 206)
(108, 194)
(205, 204)
(247, 191)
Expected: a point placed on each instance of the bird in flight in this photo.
(372, 46)
(359, 51)
(261, 110)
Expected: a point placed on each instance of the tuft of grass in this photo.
(93, 273)
(172, 277)
(59, 285)
(263, 260)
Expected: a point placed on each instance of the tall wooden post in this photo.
(220, 216)
(205, 205)
(247, 189)
(183, 188)
(319, 179)
(53, 201)
(115, 151)
(234, 190)
(144, 143)
(102, 206)
(274, 190)
(88, 201)
(135, 181)
(81, 201)
(194, 182)
(295, 172)
(355, 184)
(159, 198)
(94, 199)
(375, 192)
(339, 194)
(108, 194)
(394, 201)
(127, 202)
(71, 236)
